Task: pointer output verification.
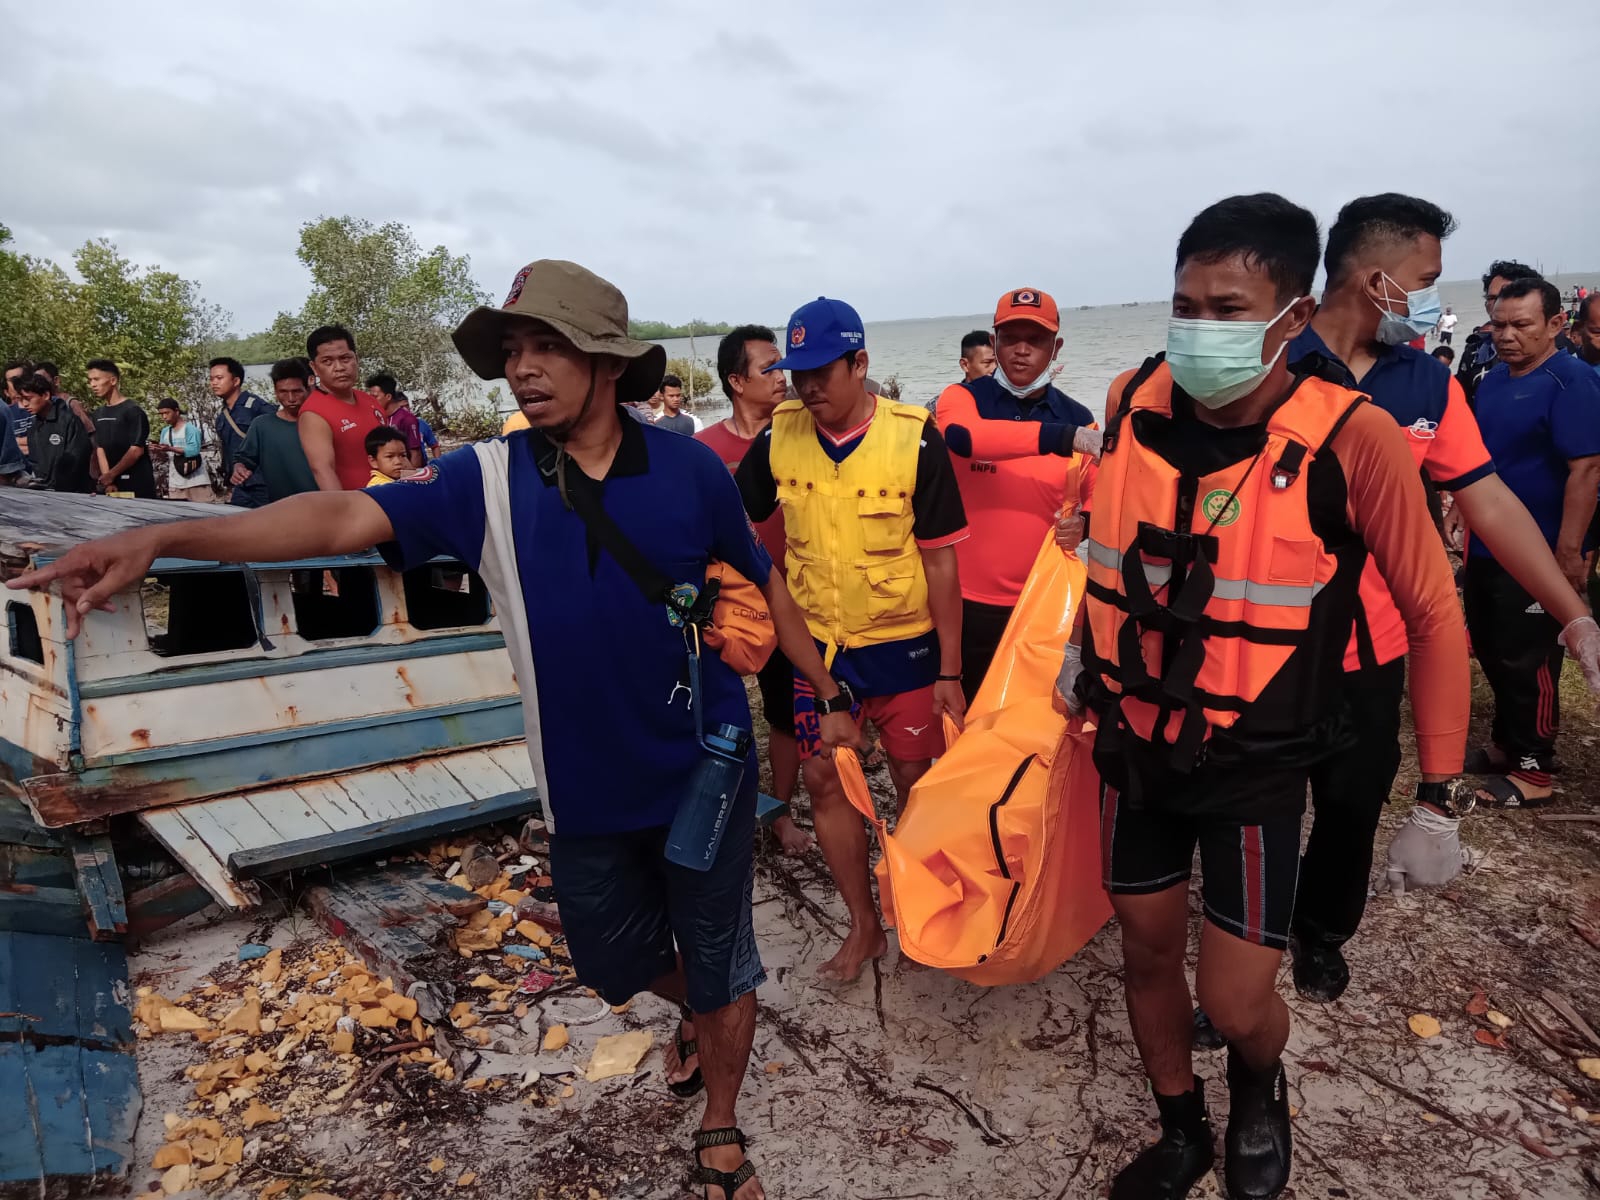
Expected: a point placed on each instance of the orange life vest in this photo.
(1203, 588)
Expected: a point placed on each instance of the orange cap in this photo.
(1028, 304)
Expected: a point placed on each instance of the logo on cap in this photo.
(797, 336)
(1027, 297)
(515, 293)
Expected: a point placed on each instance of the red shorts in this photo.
(905, 721)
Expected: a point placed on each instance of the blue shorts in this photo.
(628, 913)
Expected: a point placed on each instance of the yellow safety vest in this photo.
(853, 563)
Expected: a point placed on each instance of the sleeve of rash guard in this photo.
(969, 435)
(1388, 508)
(1457, 456)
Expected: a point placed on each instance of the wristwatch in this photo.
(1454, 797)
(842, 703)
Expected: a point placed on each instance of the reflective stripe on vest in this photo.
(853, 565)
(1201, 588)
(1279, 595)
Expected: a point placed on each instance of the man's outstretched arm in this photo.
(304, 526)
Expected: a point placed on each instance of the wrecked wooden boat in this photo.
(256, 719)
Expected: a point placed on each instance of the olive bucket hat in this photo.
(585, 309)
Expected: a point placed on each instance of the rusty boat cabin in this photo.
(256, 719)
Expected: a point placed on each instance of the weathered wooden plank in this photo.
(38, 521)
(416, 966)
(100, 886)
(173, 831)
(162, 904)
(35, 866)
(25, 909)
(432, 785)
(18, 827)
(375, 795)
(479, 774)
(512, 758)
(69, 1113)
(377, 837)
(331, 803)
(64, 987)
(286, 813)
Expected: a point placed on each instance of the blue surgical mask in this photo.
(1421, 315)
(1218, 362)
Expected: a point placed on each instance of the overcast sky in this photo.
(729, 161)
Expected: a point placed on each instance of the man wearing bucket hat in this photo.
(871, 517)
(538, 516)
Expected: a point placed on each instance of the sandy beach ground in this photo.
(910, 1084)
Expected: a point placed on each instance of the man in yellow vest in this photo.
(872, 513)
(1236, 504)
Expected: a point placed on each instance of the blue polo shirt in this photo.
(600, 661)
(1534, 425)
(1414, 388)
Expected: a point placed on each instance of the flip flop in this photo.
(1479, 762)
(691, 1086)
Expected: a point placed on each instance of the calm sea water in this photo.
(1101, 343)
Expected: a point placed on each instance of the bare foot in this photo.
(794, 840)
(679, 1070)
(729, 1159)
(860, 947)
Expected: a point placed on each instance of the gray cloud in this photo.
(732, 162)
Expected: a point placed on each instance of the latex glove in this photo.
(1066, 697)
(1582, 640)
(1088, 441)
(1069, 527)
(1426, 852)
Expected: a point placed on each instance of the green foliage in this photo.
(400, 302)
(263, 347)
(151, 322)
(698, 380)
(655, 331)
(474, 422)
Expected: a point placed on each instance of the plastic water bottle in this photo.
(703, 816)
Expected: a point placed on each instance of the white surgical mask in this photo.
(1218, 362)
(1026, 389)
(1421, 315)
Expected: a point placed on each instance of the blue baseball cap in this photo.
(820, 332)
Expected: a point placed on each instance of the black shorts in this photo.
(1248, 872)
(776, 681)
(628, 913)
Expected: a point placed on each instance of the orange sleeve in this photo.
(1457, 456)
(978, 437)
(1388, 508)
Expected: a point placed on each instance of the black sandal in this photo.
(709, 1177)
(691, 1086)
(1479, 762)
(1506, 794)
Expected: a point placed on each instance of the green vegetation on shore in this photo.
(655, 331)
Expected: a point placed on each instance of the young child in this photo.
(387, 454)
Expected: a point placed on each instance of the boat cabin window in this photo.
(445, 596)
(22, 633)
(198, 612)
(341, 603)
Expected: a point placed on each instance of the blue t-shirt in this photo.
(610, 753)
(21, 422)
(1533, 425)
(11, 462)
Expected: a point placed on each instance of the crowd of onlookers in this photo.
(319, 431)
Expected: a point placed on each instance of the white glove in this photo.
(1426, 852)
(1582, 640)
(1088, 441)
(1066, 682)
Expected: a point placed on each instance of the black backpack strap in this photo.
(1114, 420)
(584, 500)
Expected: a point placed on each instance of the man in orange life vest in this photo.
(871, 516)
(1020, 447)
(1234, 508)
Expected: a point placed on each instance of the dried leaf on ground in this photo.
(1423, 1025)
(618, 1054)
